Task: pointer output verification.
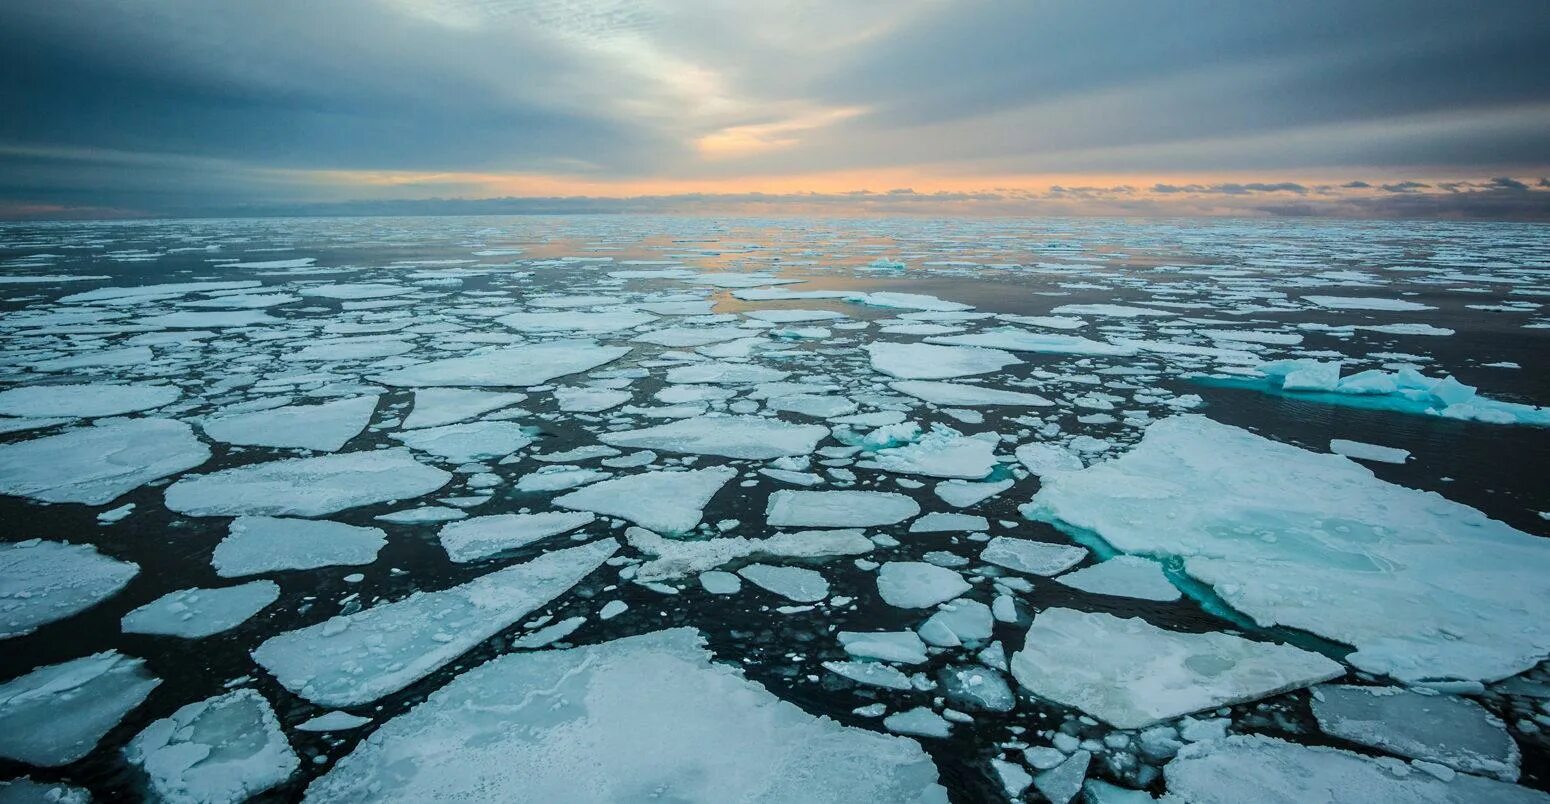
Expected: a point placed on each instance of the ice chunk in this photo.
(41, 582)
(1330, 545)
(1368, 452)
(306, 486)
(667, 502)
(95, 465)
(1124, 576)
(85, 399)
(935, 522)
(464, 443)
(589, 400)
(516, 366)
(1061, 783)
(1455, 732)
(943, 452)
(1042, 459)
(960, 394)
(870, 673)
(907, 301)
(962, 494)
(355, 658)
(324, 427)
(1131, 674)
(196, 613)
(728, 373)
(961, 622)
(1271, 771)
(793, 583)
(333, 721)
(1034, 558)
(434, 407)
(1021, 340)
(356, 291)
(1109, 310)
(55, 715)
(342, 349)
(676, 559)
(916, 361)
(728, 436)
(575, 321)
(717, 582)
(843, 509)
(568, 725)
(484, 536)
(977, 688)
(156, 292)
(920, 722)
(816, 405)
(222, 749)
(917, 585)
(888, 646)
(259, 544)
(1367, 303)
(27, 791)
(558, 477)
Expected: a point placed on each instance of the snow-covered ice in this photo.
(196, 613)
(44, 581)
(260, 544)
(667, 502)
(918, 361)
(219, 750)
(1032, 557)
(324, 427)
(838, 509)
(793, 583)
(959, 394)
(434, 407)
(306, 486)
(918, 585)
(97, 464)
(464, 443)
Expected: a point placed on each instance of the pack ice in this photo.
(97, 464)
(569, 725)
(306, 486)
(1422, 587)
(1131, 674)
(355, 658)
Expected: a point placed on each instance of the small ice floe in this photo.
(918, 585)
(41, 582)
(729, 436)
(434, 407)
(306, 486)
(667, 502)
(516, 366)
(324, 427)
(223, 749)
(97, 464)
(484, 536)
(55, 715)
(965, 395)
(85, 400)
(261, 544)
(839, 509)
(918, 361)
(197, 613)
(1361, 450)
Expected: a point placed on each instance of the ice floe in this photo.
(667, 502)
(97, 464)
(516, 366)
(306, 486)
(84, 399)
(1445, 729)
(675, 558)
(434, 407)
(219, 750)
(43, 581)
(838, 509)
(964, 395)
(325, 428)
(484, 536)
(917, 585)
(918, 361)
(196, 613)
(728, 436)
(464, 443)
(56, 714)
(1124, 576)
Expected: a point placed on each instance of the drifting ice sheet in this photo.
(95, 465)
(324, 427)
(1423, 587)
(484, 536)
(728, 436)
(41, 582)
(1456, 732)
(568, 725)
(257, 544)
(87, 400)
(464, 443)
(916, 361)
(668, 502)
(533, 364)
(196, 613)
(959, 394)
(306, 486)
(1131, 674)
(434, 407)
(838, 509)
(355, 658)
(222, 749)
(55, 715)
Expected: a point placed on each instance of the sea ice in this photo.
(197, 613)
(1455, 732)
(962, 494)
(568, 725)
(1367, 303)
(1271, 771)
(1124, 576)
(870, 673)
(259, 544)
(589, 400)
(904, 647)
(1131, 674)
(918, 722)
(41, 582)
(838, 509)
(351, 659)
(55, 715)
(729, 436)
(964, 395)
(333, 721)
(434, 407)
(1315, 541)
(917, 585)
(943, 452)
(936, 522)
(484, 536)
(1020, 340)
(88, 400)
(676, 558)
(1361, 450)
(324, 427)
(1032, 557)
(728, 373)
(793, 583)
(306, 486)
(465, 443)
(916, 361)
(515, 366)
(666, 502)
(571, 321)
(219, 750)
(95, 465)
(1042, 459)
(1061, 783)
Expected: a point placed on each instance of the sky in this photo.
(1362, 108)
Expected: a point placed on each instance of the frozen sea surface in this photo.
(694, 509)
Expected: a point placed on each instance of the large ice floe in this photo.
(306, 486)
(43, 581)
(97, 464)
(1445, 729)
(1131, 674)
(918, 361)
(55, 715)
(838, 509)
(728, 436)
(1316, 542)
(356, 658)
(573, 725)
(516, 366)
(1404, 391)
(260, 544)
(85, 399)
(196, 613)
(668, 502)
(223, 749)
(324, 427)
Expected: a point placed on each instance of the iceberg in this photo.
(728, 436)
(306, 486)
(1132, 674)
(516, 366)
(55, 715)
(568, 725)
(260, 544)
(41, 582)
(1422, 587)
(96, 465)
(666, 502)
(220, 750)
(355, 658)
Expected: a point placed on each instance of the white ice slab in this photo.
(798, 584)
(568, 725)
(1445, 729)
(324, 427)
(838, 509)
(95, 465)
(434, 407)
(728, 436)
(918, 585)
(516, 366)
(1423, 587)
(355, 658)
(219, 750)
(259, 544)
(676, 558)
(1130, 673)
(667, 502)
(943, 452)
(1032, 557)
(917, 361)
(197, 613)
(55, 715)
(464, 443)
(85, 399)
(1367, 303)
(1020, 340)
(1363, 451)
(41, 582)
(484, 536)
(962, 494)
(306, 486)
(576, 321)
(959, 394)
(1124, 576)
